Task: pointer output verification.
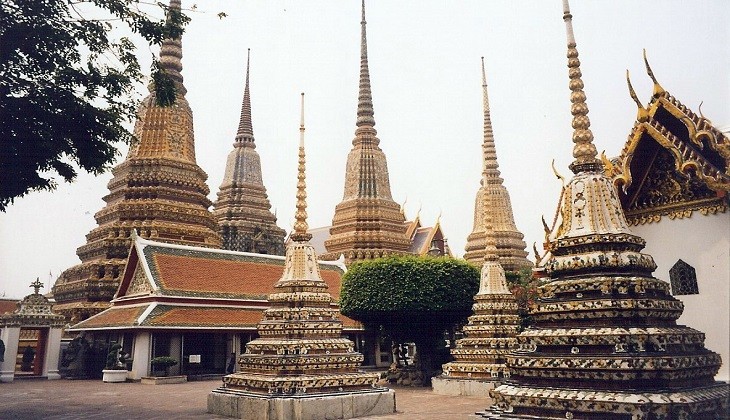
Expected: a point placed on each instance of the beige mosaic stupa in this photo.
(159, 190)
(509, 240)
(367, 223)
(605, 343)
(243, 210)
(479, 358)
(300, 367)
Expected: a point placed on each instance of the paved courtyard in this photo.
(93, 399)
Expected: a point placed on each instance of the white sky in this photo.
(424, 58)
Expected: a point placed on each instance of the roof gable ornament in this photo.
(658, 89)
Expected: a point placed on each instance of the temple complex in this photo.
(673, 176)
(159, 190)
(243, 210)
(367, 223)
(509, 240)
(479, 357)
(605, 341)
(300, 366)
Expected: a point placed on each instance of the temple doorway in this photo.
(30, 357)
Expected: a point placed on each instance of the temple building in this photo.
(422, 239)
(367, 223)
(673, 176)
(479, 357)
(605, 341)
(182, 301)
(510, 243)
(243, 210)
(30, 337)
(300, 366)
(159, 190)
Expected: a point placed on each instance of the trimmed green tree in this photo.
(67, 87)
(411, 299)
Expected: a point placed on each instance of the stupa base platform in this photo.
(464, 387)
(344, 405)
(514, 402)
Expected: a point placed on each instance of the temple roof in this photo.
(673, 163)
(184, 271)
(177, 286)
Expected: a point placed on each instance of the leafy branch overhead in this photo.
(67, 86)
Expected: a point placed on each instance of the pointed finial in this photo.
(658, 89)
(642, 114)
(584, 151)
(364, 100)
(244, 135)
(171, 52)
(36, 285)
(300, 225)
(490, 167)
(403, 207)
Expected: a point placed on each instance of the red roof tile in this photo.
(113, 317)
(169, 316)
(225, 278)
(8, 305)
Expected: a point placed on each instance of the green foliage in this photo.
(405, 295)
(115, 359)
(411, 298)
(163, 362)
(67, 87)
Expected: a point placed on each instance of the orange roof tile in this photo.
(8, 305)
(112, 317)
(179, 274)
(170, 316)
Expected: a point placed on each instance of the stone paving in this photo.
(94, 399)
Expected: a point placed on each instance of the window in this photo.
(683, 279)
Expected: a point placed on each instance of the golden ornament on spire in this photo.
(584, 151)
(300, 225)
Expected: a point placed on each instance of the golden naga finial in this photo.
(584, 151)
(537, 254)
(658, 89)
(300, 225)
(642, 114)
(610, 168)
(403, 207)
(555, 171)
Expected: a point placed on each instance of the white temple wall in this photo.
(11, 338)
(141, 357)
(53, 351)
(704, 243)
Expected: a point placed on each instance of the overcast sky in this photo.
(425, 73)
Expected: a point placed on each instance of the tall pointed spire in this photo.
(159, 190)
(365, 99)
(300, 225)
(512, 247)
(584, 151)
(171, 52)
(244, 135)
(243, 209)
(300, 354)
(367, 223)
(605, 341)
(490, 167)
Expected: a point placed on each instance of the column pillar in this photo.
(53, 352)
(11, 337)
(141, 355)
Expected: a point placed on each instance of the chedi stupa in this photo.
(300, 367)
(605, 343)
(479, 357)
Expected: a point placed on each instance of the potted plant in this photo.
(116, 366)
(163, 363)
